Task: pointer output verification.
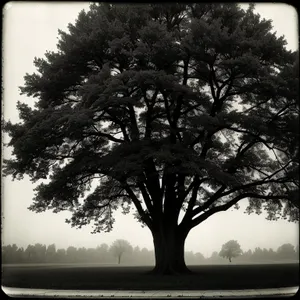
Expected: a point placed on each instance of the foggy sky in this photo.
(29, 29)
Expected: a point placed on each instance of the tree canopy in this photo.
(286, 250)
(174, 107)
(119, 247)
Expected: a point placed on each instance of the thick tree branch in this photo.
(134, 125)
(226, 206)
(144, 216)
(152, 182)
(192, 184)
(215, 81)
(209, 202)
(196, 184)
(240, 153)
(177, 109)
(253, 184)
(146, 197)
(180, 188)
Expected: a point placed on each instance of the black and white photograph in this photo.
(150, 150)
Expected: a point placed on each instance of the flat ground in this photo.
(96, 277)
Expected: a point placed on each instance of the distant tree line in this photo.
(119, 252)
(106, 254)
(286, 252)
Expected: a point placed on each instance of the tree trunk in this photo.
(169, 252)
(119, 259)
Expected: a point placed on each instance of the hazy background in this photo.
(29, 29)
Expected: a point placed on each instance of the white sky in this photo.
(29, 30)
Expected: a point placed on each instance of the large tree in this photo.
(182, 110)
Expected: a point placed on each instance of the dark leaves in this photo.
(167, 92)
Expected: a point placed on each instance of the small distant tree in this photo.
(119, 247)
(230, 249)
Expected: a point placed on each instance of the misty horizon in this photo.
(296, 246)
(105, 254)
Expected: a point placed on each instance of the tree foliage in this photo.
(119, 247)
(230, 250)
(176, 107)
(286, 250)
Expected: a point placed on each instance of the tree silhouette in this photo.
(286, 251)
(170, 108)
(119, 247)
(230, 250)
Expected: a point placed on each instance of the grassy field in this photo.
(136, 278)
